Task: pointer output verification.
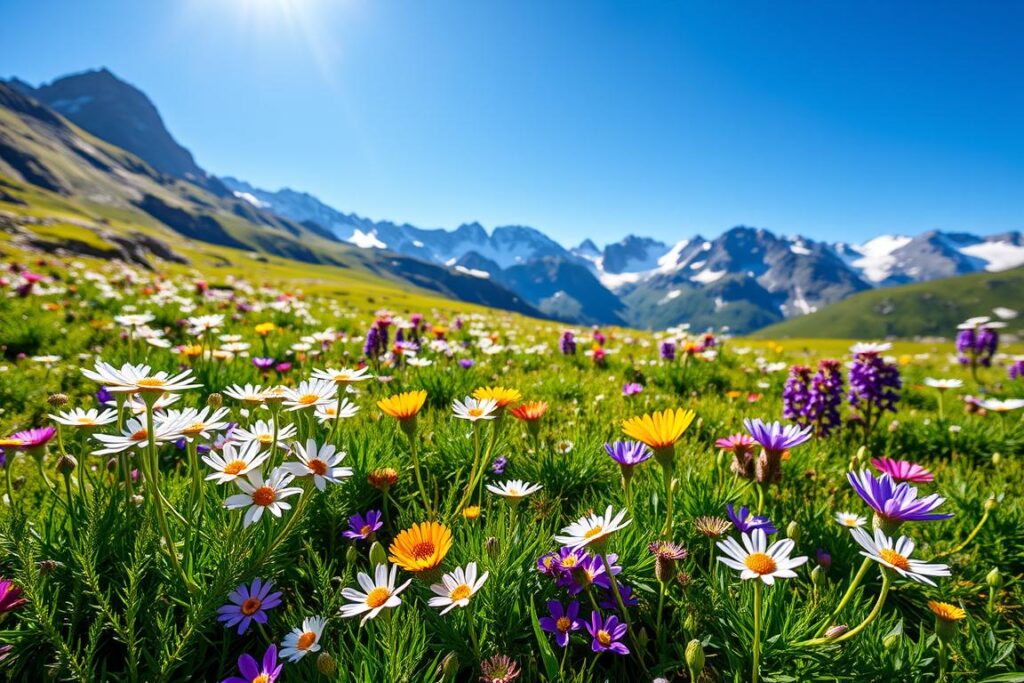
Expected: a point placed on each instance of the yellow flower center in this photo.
(366, 530)
(461, 593)
(262, 678)
(265, 438)
(309, 399)
(377, 597)
(150, 383)
(423, 550)
(593, 532)
(894, 558)
(569, 561)
(760, 563)
(475, 412)
(194, 428)
(234, 467)
(251, 606)
(306, 640)
(604, 638)
(563, 624)
(264, 495)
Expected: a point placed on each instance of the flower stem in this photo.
(864, 567)
(755, 669)
(875, 611)
(416, 469)
(970, 536)
(667, 472)
(622, 607)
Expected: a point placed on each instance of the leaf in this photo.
(546, 653)
(1012, 677)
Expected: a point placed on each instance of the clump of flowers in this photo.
(874, 384)
(567, 343)
(977, 340)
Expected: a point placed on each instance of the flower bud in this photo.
(818, 577)
(66, 464)
(449, 667)
(325, 664)
(351, 555)
(994, 579)
(215, 400)
(377, 554)
(57, 400)
(46, 566)
(891, 641)
(492, 546)
(997, 458)
(836, 631)
(137, 500)
(991, 504)
(793, 531)
(893, 426)
(690, 623)
(111, 465)
(695, 657)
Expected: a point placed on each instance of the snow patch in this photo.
(799, 250)
(252, 199)
(366, 240)
(708, 276)
(877, 260)
(482, 274)
(996, 255)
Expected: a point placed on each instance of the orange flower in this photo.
(404, 406)
(499, 395)
(530, 412)
(421, 548)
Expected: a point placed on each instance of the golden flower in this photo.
(422, 547)
(659, 430)
(383, 478)
(529, 412)
(946, 611)
(190, 350)
(263, 329)
(471, 512)
(404, 406)
(499, 395)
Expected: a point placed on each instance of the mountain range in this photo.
(745, 278)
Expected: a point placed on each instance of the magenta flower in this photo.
(361, 528)
(607, 634)
(248, 605)
(562, 621)
(736, 443)
(252, 672)
(902, 470)
(632, 389)
(10, 597)
(34, 438)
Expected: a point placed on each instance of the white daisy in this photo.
(327, 414)
(943, 384)
(262, 432)
(259, 495)
(302, 641)
(205, 323)
(592, 528)
(135, 379)
(107, 375)
(200, 422)
(515, 489)
(320, 462)
(851, 520)
(85, 418)
(234, 461)
(754, 561)
(896, 556)
(134, 319)
(250, 393)
(475, 409)
(135, 435)
(457, 587)
(343, 376)
(1002, 405)
(870, 347)
(310, 393)
(419, 362)
(378, 593)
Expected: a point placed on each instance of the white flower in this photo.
(262, 495)
(250, 393)
(85, 418)
(1002, 405)
(380, 592)
(563, 447)
(139, 378)
(135, 434)
(419, 362)
(199, 422)
(516, 488)
(134, 319)
(326, 414)
(473, 409)
(754, 561)
(851, 519)
(320, 462)
(109, 376)
(234, 462)
(592, 528)
(343, 376)
(310, 393)
(457, 587)
(943, 384)
(263, 433)
(870, 347)
(303, 640)
(896, 556)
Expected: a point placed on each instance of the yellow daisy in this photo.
(500, 395)
(404, 406)
(946, 611)
(421, 548)
(659, 430)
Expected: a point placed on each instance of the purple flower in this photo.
(466, 363)
(3, 458)
(247, 605)
(10, 597)
(824, 398)
(252, 672)
(35, 437)
(628, 453)
(976, 342)
(796, 393)
(586, 573)
(498, 465)
(263, 364)
(632, 389)
(1017, 369)
(668, 350)
(824, 559)
(895, 503)
(774, 439)
(607, 634)
(362, 528)
(103, 397)
(874, 385)
(562, 621)
(567, 344)
(606, 600)
(745, 522)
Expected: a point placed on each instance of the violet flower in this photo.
(561, 621)
(362, 528)
(745, 522)
(895, 503)
(253, 672)
(246, 605)
(607, 634)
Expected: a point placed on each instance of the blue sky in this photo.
(838, 120)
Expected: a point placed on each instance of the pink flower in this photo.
(902, 470)
(736, 443)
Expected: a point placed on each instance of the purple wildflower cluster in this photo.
(376, 344)
(976, 342)
(567, 344)
(814, 401)
(874, 383)
(1017, 370)
(668, 350)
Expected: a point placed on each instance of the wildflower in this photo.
(946, 617)
(607, 634)
(471, 512)
(579, 571)
(592, 529)
(363, 528)
(667, 350)
(895, 503)
(378, 593)
(382, 478)
(902, 470)
(421, 548)
(32, 440)
(199, 422)
(567, 344)
(631, 389)
(499, 669)
(140, 379)
(851, 520)
(263, 364)
(660, 430)
(563, 447)
(475, 409)
(501, 396)
(561, 621)
(514, 490)
(10, 597)
(85, 418)
(319, 462)
(775, 441)
(977, 341)
(253, 672)
(403, 407)
(262, 432)
(824, 398)
(712, 527)
(263, 329)
(1016, 369)
(746, 522)
(796, 393)
(247, 604)
(943, 384)
(628, 454)
(259, 495)
(666, 554)
(136, 435)
(234, 462)
(302, 641)
(756, 561)
(896, 556)
(530, 412)
(342, 411)
(250, 393)
(498, 465)
(457, 587)
(874, 383)
(742, 448)
(996, 405)
(343, 377)
(311, 394)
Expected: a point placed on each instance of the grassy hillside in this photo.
(922, 309)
